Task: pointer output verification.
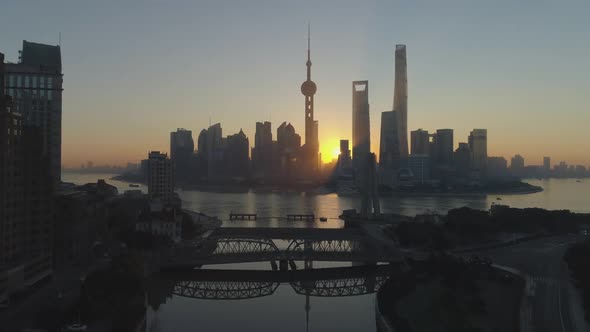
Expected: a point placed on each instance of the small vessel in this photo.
(323, 219)
(498, 198)
(578, 181)
(133, 185)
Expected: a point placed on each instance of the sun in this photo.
(330, 154)
(335, 152)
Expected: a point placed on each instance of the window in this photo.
(49, 82)
(42, 82)
(26, 81)
(34, 81)
(19, 81)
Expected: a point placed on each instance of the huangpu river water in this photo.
(283, 308)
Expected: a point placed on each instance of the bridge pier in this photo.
(274, 265)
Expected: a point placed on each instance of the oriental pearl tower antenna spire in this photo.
(308, 89)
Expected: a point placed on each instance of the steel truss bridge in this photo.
(240, 285)
(240, 244)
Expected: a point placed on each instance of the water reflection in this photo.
(246, 290)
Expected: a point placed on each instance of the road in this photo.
(550, 291)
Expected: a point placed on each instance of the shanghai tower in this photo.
(400, 99)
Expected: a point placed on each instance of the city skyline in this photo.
(459, 77)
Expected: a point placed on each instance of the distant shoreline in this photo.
(520, 188)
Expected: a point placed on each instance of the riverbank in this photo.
(445, 293)
(244, 186)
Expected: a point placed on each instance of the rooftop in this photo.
(36, 54)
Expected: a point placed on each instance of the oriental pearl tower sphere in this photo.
(308, 89)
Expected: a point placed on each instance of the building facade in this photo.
(419, 165)
(182, 148)
(389, 145)
(26, 198)
(361, 126)
(160, 177)
(35, 85)
(420, 142)
(443, 148)
(400, 98)
(262, 156)
(478, 145)
(462, 161)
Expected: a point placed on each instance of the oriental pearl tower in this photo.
(308, 89)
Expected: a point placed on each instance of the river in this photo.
(284, 309)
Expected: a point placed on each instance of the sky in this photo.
(136, 70)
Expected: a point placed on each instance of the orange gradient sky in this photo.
(135, 71)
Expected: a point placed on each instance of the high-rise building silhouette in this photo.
(236, 161)
(202, 143)
(400, 98)
(160, 177)
(311, 148)
(547, 165)
(262, 151)
(12, 221)
(443, 148)
(182, 147)
(26, 198)
(497, 167)
(389, 141)
(361, 135)
(288, 145)
(344, 164)
(420, 142)
(35, 85)
(478, 145)
(214, 141)
(462, 160)
(517, 165)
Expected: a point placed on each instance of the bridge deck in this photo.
(289, 233)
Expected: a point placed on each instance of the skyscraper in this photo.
(35, 85)
(478, 145)
(312, 146)
(344, 166)
(420, 142)
(361, 136)
(26, 188)
(214, 139)
(262, 151)
(236, 160)
(462, 160)
(182, 147)
(288, 145)
(160, 177)
(547, 165)
(388, 145)
(443, 148)
(400, 98)
(517, 165)
(12, 222)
